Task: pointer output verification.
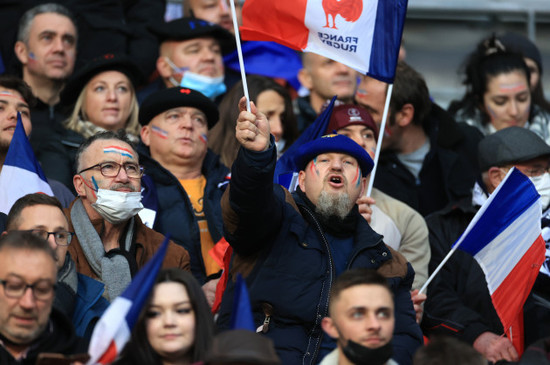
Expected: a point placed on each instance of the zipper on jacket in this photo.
(268, 311)
(319, 316)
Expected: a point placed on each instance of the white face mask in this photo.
(542, 184)
(117, 206)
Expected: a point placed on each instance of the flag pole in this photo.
(479, 213)
(380, 137)
(240, 54)
(423, 289)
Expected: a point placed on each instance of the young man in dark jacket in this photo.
(290, 248)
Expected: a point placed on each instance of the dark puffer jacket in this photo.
(282, 252)
(175, 213)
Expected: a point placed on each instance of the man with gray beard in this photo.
(291, 247)
(333, 205)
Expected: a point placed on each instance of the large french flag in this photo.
(505, 239)
(113, 329)
(363, 34)
(21, 173)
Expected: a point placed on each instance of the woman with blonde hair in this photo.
(104, 99)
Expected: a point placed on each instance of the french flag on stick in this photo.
(113, 329)
(362, 34)
(21, 173)
(505, 239)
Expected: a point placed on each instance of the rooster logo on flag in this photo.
(350, 10)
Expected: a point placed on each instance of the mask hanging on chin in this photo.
(359, 354)
(542, 184)
(117, 206)
(209, 86)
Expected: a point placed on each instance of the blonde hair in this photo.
(78, 114)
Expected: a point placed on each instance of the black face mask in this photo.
(359, 354)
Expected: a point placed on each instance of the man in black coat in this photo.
(458, 301)
(426, 156)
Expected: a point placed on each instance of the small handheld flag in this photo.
(241, 318)
(286, 170)
(113, 329)
(505, 239)
(21, 173)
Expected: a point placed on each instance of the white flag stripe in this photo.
(358, 34)
(17, 182)
(108, 326)
(502, 254)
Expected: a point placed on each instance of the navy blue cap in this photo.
(333, 143)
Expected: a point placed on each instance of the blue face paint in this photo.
(95, 184)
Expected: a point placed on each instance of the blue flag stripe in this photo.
(514, 198)
(387, 39)
(286, 164)
(20, 153)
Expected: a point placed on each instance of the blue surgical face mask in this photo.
(209, 86)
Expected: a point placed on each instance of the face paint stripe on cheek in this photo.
(121, 151)
(159, 132)
(492, 113)
(203, 138)
(356, 179)
(313, 166)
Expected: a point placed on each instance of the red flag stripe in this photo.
(285, 27)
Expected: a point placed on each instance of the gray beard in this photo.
(330, 205)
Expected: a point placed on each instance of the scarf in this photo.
(88, 129)
(113, 268)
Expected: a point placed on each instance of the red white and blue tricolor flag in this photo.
(363, 34)
(21, 173)
(113, 329)
(505, 239)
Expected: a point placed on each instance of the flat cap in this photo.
(333, 143)
(175, 97)
(510, 145)
(183, 29)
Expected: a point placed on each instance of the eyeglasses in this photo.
(112, 169)
(62, 238)
(530, 171)
(15, 288)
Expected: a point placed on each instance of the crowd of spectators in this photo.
(142, 130)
